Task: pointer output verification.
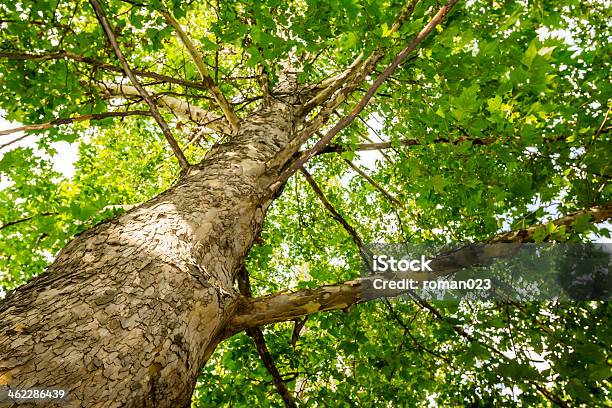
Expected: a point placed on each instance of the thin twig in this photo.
(11, 223)
(335, 214)
(374, 184)
(65, 121)
(336, 148)
(99, 64)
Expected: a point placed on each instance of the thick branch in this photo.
(99, 64)
(158, 118)
(339, 96)
(332, 84)
(347, 120)
(421, 302)
(288, 306)
(176, 106)
(204, 74)
(332, 92)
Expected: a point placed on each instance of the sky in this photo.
(63, 162)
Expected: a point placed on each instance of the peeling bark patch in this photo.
(108, 296)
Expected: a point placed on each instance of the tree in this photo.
(487, 114)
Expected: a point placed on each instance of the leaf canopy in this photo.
(507, 104)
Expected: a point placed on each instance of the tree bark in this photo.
(130, 311)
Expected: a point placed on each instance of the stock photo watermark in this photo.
(494, 271)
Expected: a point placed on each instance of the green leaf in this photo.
(530, 54)
(581, 223)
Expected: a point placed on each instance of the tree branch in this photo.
(409, 334)
(596, 213)
(158, 118)
(177, 106)
(348, 119)
(204, 74)
(99, 64)
(359, 242)
(260, 344)
(65, 121)
(335, 214)
(421, 302)
(281, 387)
(333, 92)
(264, 82)
(374, 184)
(281, 307)
(11, 223)
(332, 84)
(336, 148)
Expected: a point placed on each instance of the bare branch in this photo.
(409, 334)
(289, 306)
(11, 223)
(336, 148)
(64, 121)
(359, 242)
(332, 92)
(597, 214)
(15, 140)
(331, 85)
(326, 110)
(99, 64)
(366, 136)
(347, 120)
(204, 74)
(404, 15)
(374, 184)
(158, 118)
(177, 106)
(264, 82)
(297, 329)
(419, 301)
(260, 344)
(258, 338)
(335, 214)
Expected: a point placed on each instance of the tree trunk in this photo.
(130, 311)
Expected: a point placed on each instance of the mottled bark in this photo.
(130, 310)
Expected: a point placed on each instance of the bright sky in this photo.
(63, 161)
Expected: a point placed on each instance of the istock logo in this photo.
(385, 263)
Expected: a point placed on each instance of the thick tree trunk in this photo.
(130, 310)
